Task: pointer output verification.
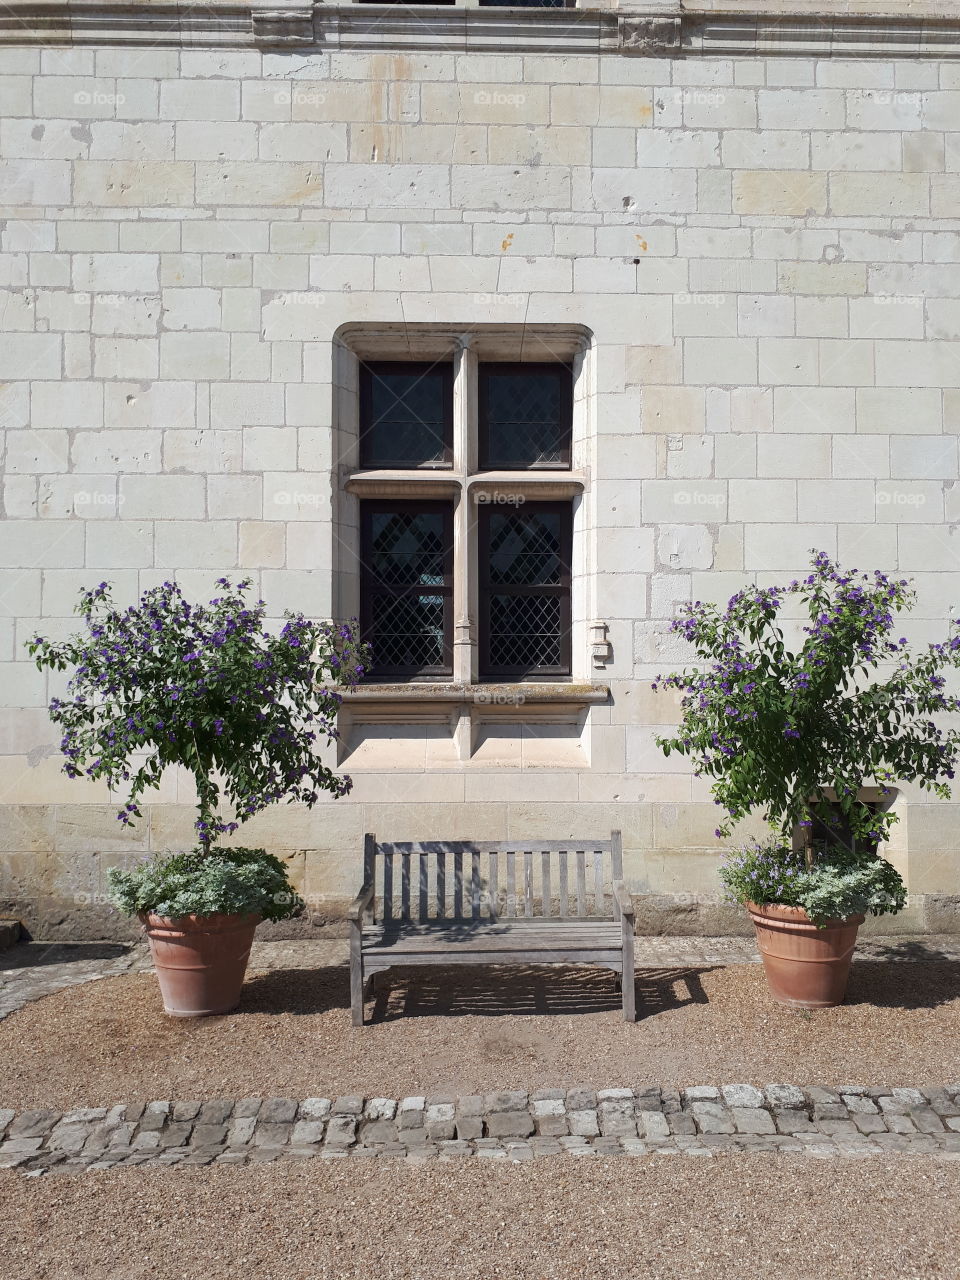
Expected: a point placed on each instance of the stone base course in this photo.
(703, 1120)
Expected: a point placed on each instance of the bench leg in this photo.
(356, 976)
(628, 981)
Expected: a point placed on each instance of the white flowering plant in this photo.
(848, 884)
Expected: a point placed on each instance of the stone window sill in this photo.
(482, 485)
(524, 693)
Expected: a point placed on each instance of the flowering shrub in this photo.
(205, 687)
(778, 730)
(845, 885)
(232, 881)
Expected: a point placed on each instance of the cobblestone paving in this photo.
(31, 970)
(849, 1121)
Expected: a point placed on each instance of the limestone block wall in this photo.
(763, 254)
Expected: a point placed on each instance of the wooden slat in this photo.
(441, 885)
(475, 885)
(616, 854)
(616, 866)
(388, 886)
(453, 932)
(598, 903)
(405, 886)
(481, 846)
(378, 961)
(528, 883)
(546, 899)
(581, 883)
(564, 891)
(458, 885)
(424, 892)
(493, 886)
(511, 883)
(591, 936)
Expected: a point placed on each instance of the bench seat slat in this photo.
(501, 937)
(379, 961)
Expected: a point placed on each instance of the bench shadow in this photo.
(545, 990)
(525, 990)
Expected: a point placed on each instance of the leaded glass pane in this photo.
(526, 590)
(408, 631)
(406, 588)
(407, 547)
(525, 416)
(525, 632)
(405, 414)
(525, 548)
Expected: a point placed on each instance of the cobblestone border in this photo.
(700, 1121)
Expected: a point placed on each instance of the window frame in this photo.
(367, 371)
(370, 585)
(563, 590)
(517, 368)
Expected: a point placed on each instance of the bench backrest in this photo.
(456, 880)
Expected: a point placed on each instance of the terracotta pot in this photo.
(806, 967)
(200, 961)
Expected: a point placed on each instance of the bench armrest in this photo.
(623, 898)
(360, 904)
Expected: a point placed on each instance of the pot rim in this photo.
(796, 915)
(152, 920)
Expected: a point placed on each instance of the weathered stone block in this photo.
(503, 1124)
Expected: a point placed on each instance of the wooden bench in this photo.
(441, 902)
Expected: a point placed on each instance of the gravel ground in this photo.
(474, 1031)
(661, 1218)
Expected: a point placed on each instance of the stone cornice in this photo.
(749, 28)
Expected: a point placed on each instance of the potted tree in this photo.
(208, 688)
(812, 735)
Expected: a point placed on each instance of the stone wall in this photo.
(760, 251)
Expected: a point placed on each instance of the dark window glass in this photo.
(525, 4)
(406, 414)
(525, 416)
(525, 590)
(406, 587)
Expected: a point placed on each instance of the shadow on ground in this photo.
(31, 955)
(466, 992)
(923, 985)
(561, 991)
